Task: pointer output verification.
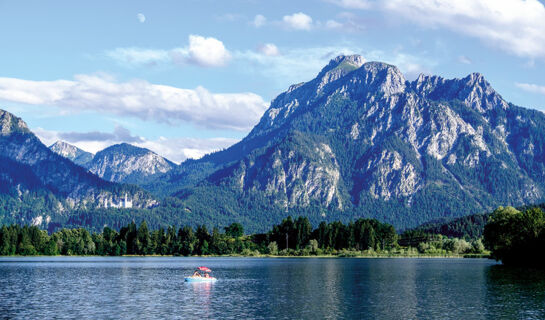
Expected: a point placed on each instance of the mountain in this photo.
(37, 183)
(360, 140)
(123, 163)
(72, 153)
(128, 164)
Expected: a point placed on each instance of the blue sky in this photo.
(184, 78)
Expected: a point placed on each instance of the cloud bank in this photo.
(515, 26)
(141, 99)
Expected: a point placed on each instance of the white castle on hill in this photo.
(125, 203)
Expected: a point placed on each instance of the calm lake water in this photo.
(97, 288)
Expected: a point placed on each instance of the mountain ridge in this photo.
(34, 176)
(129, 164)
(360, 140)
(122, 163)
(397, 145)
(71, 152)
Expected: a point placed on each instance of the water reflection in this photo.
(202, 296)
(516, 293)
(91, 288)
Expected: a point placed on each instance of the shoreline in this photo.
(385, 256)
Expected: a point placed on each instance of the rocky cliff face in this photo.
(72, 153)
(373, 141)
(296, 172)
(30, 165)
(128, 164)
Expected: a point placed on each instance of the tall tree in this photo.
(144, 239)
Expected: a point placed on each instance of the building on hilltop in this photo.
(124, 203)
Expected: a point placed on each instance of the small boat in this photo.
(202, 274)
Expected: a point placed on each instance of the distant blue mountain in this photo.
(129, 164)
(37, 183)
(72, 153)
(123, 163)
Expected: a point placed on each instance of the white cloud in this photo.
(515, 26)
(534, 88)
(259, 21)
(176, 149)
(179, 149)
(141, 17)
(201, 51)
(352, 4)
(269, 49)
(207, 52)
(298, 21)
(332, 24)
(139, 98)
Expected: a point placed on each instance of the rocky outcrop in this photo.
(72, 153)
(128, 164)
(296, 172)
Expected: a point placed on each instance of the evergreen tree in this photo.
(143, 239)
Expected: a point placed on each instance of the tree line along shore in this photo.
(510, 235)
(363, 237)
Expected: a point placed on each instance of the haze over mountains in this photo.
(358, 140)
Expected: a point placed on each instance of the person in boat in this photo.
(196, 274)
(206, 275)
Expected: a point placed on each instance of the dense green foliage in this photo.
(290, 237)
(438, 244)
(516, 237)
(468, 227)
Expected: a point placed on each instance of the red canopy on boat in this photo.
(205, 269)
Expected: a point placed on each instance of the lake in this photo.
(268, 288)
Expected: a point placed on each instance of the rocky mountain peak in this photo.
(381, 77)
(72, 153)
(338, 68)
(344, 74)
(473, 90)
(342, 62)
(64, 149)
(129, 164)
(125, 148)
(10, 124)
